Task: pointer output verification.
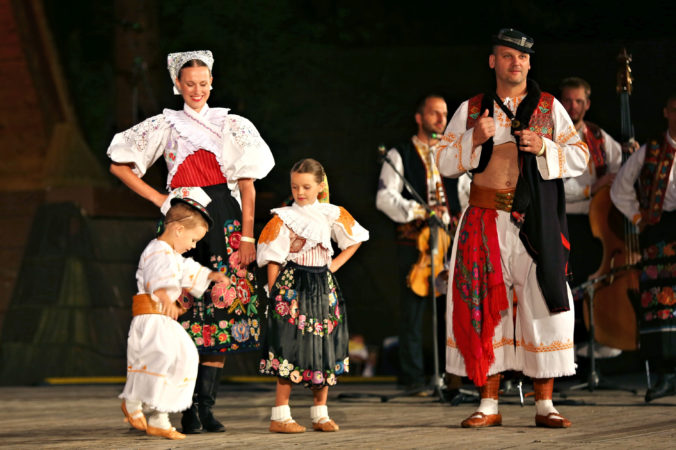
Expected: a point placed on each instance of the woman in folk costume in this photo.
(223, 154)
(161, 357)
(307, 336)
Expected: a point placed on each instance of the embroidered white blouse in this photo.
(161, 267)
(237, 145)
(623, 194)
(578, 189)
(565, 156)
(303, 234)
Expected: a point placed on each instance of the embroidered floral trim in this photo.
(279, 366)
(286, 308)
(346, 220)
(271, 230)
(137, 136)
(555, 346)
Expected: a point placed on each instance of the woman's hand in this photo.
(247, 253)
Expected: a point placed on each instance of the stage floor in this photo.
(89, 416)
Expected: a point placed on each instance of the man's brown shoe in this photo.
(329, 425)
(552, 420)
(479, 420)
(288, 426)
(169, 433)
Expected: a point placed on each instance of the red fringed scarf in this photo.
(479, 293)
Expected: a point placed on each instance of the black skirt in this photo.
(307, 336)
(223, 321)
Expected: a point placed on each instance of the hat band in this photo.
(523, 42)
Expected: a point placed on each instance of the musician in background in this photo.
(415, 160)
(605, 159)
(652, 208)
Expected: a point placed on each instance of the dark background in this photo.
(334, 79)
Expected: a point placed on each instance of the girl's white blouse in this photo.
(317, 224)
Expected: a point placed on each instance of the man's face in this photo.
(575, 100)
(670, 115)
(511, 66)
(434, 116)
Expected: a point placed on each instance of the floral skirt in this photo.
(657, 315)
(307, 336)
(223, 320)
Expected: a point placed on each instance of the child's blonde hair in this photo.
(188, 216)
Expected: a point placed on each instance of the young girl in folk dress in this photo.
(307, 337)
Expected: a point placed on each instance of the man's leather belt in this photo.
(489, 198)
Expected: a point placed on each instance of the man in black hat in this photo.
(512, 245)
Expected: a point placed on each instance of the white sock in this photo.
(132, 406)
(159, 420)
(319, 414)
(545, 407)
(488, 406)
(281, 413)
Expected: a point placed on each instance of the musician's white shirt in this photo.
(622, 191)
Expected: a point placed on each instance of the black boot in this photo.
(665, 386)
(190, 422)
(208, 380)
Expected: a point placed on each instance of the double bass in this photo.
(615, 322)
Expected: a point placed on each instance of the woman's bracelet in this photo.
(247, 239)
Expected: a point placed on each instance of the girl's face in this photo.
(195, 86)
(304, 188)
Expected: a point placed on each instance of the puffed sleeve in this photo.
(194, 277)
(622, 191)
(245, 153)
(274, 243)
(456, 155)
(141, 145)
(159, 269)
(346, 231)
(565, 156)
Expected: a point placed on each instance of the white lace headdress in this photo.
(176, 60)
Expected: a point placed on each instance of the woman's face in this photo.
(195, 86)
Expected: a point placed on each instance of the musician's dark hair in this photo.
(311, 166)
(670, 99)
(422, 101)
(575, 83)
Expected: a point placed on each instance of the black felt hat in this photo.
(509, 37)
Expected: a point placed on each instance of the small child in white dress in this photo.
(161, 357)
(307, 336)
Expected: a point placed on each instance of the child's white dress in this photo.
(161, 357)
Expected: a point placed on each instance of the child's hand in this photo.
(169, 306)
(219, 277)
